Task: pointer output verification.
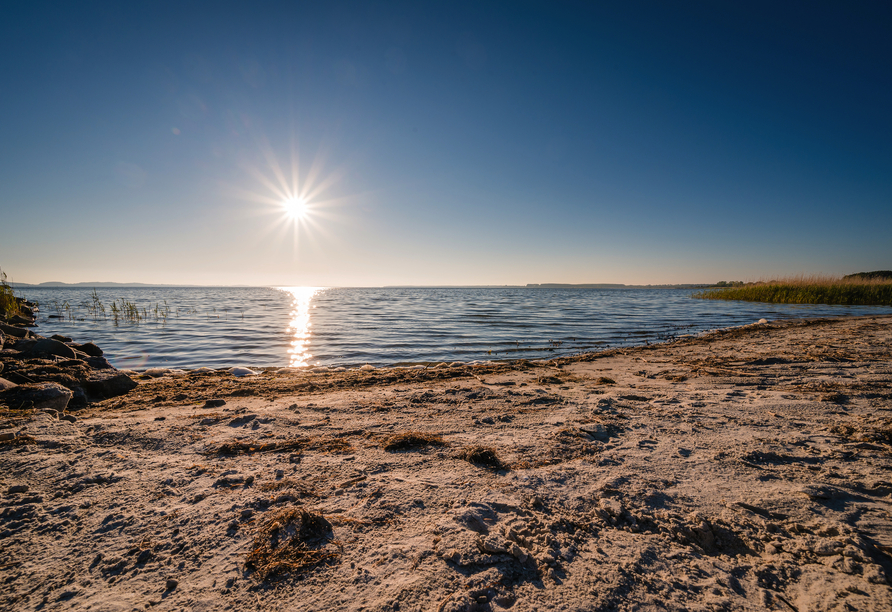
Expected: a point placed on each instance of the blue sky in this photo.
(444, 143)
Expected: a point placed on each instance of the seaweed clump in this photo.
(237, 447)
(483, 456)
(295, 445)
(408, 440)
(291, 540)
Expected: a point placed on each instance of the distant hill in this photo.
(875, 275)
(58, 284)
(614, 286)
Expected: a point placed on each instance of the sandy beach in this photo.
(746, 469)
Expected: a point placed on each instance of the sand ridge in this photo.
(747, 469)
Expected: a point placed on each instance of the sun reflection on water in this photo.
(299, 327)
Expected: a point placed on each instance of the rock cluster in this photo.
(52, 374)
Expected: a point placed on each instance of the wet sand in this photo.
(747, 469)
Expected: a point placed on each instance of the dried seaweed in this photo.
(243, 448)
(328, 445)
(483, 456)
(291, 540)
(19, 440)
(301, 488)
(408, 440)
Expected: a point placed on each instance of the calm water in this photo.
(262, 326)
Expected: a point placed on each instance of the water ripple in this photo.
(296, 326)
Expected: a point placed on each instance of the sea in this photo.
(222, 327)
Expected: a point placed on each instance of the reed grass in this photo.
(8, 304)
(847, 291)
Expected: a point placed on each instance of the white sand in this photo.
(749, 470)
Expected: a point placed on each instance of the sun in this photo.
(296, 208)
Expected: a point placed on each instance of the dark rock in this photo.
(60, 338)
(214, 403)
(24, 345)
(17, 489)
(99, 363)
(48, 346)
(16, 332)
(40, 396)
(171, 584)
(90, 349)
(68, 417)
(19, 320)
(109, 383)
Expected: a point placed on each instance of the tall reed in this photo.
(8, 304)
(809, 290)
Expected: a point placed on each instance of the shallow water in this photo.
(263, 326)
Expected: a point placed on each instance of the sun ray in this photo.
(296, 197)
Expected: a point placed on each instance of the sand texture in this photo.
(748, 469)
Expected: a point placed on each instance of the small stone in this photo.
(90, 349)
(68, 417)
(280, 474)
(171, 584)
(249, 481)
(214, 403)
(20, 488)
(247, 513)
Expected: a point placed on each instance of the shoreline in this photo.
(745, 468)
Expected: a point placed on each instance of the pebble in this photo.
(239, 372)
(171, 584)
(20, 488)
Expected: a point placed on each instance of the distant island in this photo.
(618, 286)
